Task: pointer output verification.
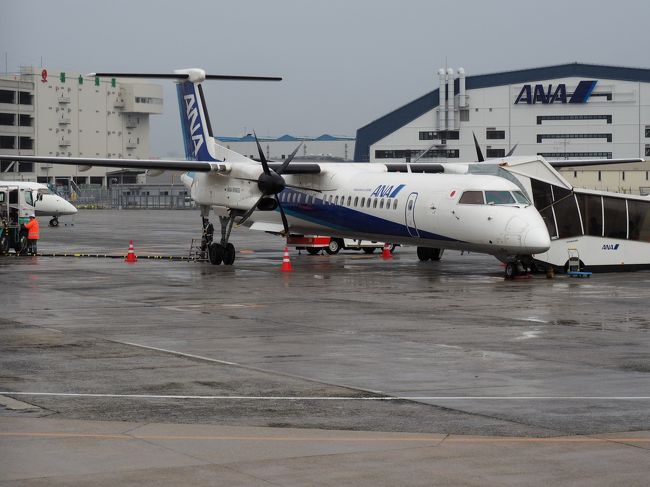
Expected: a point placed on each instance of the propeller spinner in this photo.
(271, 183)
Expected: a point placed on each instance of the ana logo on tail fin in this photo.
(192, 113)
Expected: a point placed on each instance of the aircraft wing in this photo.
(164, 164)
(559, 163)
(417, 167)
(297, 167)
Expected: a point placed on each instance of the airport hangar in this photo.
(568, 111)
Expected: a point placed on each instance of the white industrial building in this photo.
(56, 113)
(569, 111)
(326, 147)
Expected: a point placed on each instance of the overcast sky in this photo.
(344, 62)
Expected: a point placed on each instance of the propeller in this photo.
(479, 154)
(271, 183)
(512, 151)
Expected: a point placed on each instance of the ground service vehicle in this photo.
(13, 214)
(333, 245)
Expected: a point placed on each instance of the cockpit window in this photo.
(520, 197)
(472, 198)
(28, 198)
(499, 198)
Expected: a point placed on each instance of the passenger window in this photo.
(499, 198)
(410, 205)
(470, 198)
(592, 214)
(336, 200)
(349, 200)
(363, 202)
(395, 205)
(543, 198)
(368, 203)
(566, 214)
(356, 200)
(381, 204)
(374, 203)
(615, 217)
(639, 220)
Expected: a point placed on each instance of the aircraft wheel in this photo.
(334, 247)
(215, 253)
(424, 253)
(369, 250)
(4, 245)
(54, 222)
(511, 270)
(229, 254)
(313, 250)
(436, 254)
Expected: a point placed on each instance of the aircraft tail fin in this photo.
(195, 122)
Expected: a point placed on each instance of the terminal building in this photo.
(569, 111)
(56, 113)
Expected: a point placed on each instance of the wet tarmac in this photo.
(346, 346)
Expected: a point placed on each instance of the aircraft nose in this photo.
(72, 209)
(537, 240)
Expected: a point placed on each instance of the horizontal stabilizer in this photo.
(184, 76)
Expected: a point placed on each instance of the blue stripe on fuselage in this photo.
(351, 220)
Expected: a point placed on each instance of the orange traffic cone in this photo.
(286, 263)
(386, 253)
(130, 256)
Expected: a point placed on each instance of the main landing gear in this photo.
(427, 253)
(222, 251)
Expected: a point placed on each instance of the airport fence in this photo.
(131, 196)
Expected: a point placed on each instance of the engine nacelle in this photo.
(267, 204)
(84, 168)
(155, 172)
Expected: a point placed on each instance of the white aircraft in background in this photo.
(480, 213)
(42, 201)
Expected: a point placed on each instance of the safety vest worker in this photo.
(32, 234)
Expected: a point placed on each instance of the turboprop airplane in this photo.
(41, 201)
(383, 202)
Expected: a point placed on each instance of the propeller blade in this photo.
(265, 166)
(289, 159)
(247, 215)
(479, 154)
(302, 187)
(285, 223)
(512, 151)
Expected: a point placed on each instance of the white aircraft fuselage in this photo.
(44, 202)
(365, 201)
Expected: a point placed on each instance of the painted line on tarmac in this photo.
(330, 398)
(345, 439)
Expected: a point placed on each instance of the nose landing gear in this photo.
(54, 221)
